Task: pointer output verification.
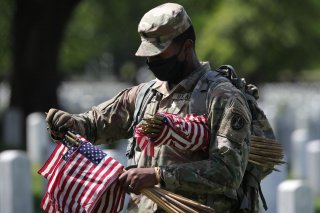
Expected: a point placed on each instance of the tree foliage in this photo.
(276, 38)
(265, 40)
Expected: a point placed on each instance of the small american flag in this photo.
(82, 179)
(188, 133)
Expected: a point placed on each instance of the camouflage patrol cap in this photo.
(160, 26)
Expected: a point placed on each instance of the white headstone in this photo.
(284, 125)
(294, 196)
(119, 154)
(38, 139)
(299, 140)
(13, 128)
(269, 187)
(15, 182)
(313, 168)
(313, 117)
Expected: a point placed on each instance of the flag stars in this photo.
(92, 153)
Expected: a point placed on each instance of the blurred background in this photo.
(75, 54)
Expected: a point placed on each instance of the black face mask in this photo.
(169, 69)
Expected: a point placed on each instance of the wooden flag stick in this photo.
(267, 159)
(72, 140)
(270, 148)
(186, 200)
(182, 206)
(168, 201)
(263, 139)
(167, 207)
(267, 153)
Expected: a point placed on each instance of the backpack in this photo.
(262, 136)
(257, 168)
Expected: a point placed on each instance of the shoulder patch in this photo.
(237, 121)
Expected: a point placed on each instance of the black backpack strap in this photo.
(254, 176)
(229, 72)
(143, 98)
(198, 102)
(250, 189)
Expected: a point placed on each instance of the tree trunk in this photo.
(38, 28)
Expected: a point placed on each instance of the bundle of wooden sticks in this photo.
(265, 152)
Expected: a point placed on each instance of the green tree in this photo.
(264, 40)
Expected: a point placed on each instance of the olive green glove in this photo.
(59, 122)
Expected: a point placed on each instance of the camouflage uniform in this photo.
(209, 176)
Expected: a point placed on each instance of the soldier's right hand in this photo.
(151, 127)
(59, 122)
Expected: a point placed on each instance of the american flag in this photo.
(82, 179)
(187, 133)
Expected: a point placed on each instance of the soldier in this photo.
(184, 85)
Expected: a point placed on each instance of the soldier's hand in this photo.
(136, 179)
(151, 126)
(59, 122)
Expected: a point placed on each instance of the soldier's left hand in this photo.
(136, 179)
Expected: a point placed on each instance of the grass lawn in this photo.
(37, 185)
(317, 205)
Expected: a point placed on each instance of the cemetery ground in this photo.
(37, 186)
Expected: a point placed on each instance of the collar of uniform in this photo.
(188, 83)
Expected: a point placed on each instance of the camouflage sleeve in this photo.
(229, 121)
(110, 120)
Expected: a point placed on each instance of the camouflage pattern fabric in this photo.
(159, 26)
(209, 176)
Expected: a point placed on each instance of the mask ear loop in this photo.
(180, 49)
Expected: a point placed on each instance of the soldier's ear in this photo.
(188, 47)
(188, 44)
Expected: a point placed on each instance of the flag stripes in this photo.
(56, 158)
(81, 179)
(188, 133)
